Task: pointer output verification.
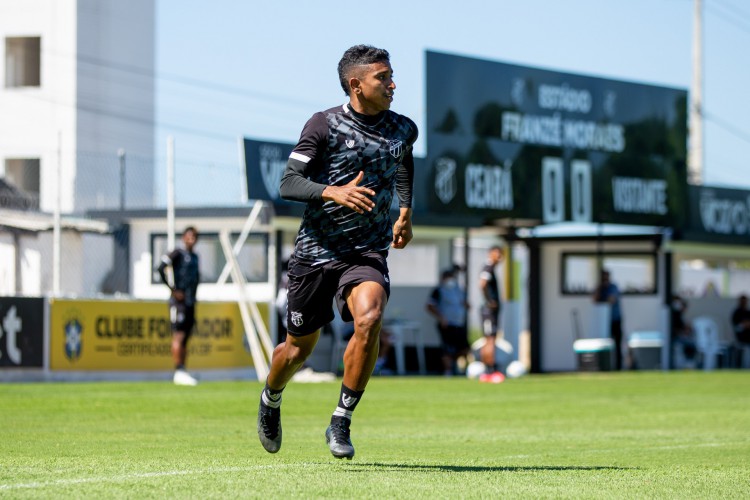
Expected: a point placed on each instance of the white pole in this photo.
(696, 155)
(243, 170)
(57, 222)
(170, 194)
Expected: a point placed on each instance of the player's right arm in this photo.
(166, 261)
(169, 260)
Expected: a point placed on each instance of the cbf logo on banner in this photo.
(509, 141)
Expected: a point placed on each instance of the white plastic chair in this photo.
(707, 340)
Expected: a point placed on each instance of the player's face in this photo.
(496, 256)
(189, 239)
(374, 88)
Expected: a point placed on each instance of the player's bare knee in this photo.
(368, 322)
(297, 353)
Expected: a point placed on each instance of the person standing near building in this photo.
(741, 326)
(184, 286)
(345, 166)
(608, 293)
(447, 303)
(490, 289)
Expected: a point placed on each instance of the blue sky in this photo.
(232, 68)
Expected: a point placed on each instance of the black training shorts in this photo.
(490, 318)
(312, 289)
(182, 317)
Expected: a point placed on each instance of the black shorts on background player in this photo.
(182, 318)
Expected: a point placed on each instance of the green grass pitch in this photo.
(609, 435)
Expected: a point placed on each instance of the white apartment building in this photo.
(76, 86)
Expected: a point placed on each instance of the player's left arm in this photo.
(402, 231)
(402, 228)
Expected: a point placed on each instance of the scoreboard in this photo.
(514, 142)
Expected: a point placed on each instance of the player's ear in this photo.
(354, 85)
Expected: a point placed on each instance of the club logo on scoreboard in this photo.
(272, 165)
(446, 185)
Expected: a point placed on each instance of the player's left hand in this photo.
(402, 232)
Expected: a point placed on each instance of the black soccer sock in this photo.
(271, 397)
(348, 401)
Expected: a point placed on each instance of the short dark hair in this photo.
(190, 229)
(359, 55)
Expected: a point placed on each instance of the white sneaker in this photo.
(308, 375)
(181, 377)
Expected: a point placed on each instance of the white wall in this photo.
(7, 265)
(33, 116)
(31, 266)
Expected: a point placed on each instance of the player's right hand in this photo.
(351, 195)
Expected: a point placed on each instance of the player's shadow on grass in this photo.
(487, 468)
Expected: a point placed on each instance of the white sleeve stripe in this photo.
(299, 157)
(166, 260)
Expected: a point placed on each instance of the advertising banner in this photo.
(718, 215)
(522, 143)
(265, 162)
(21, 332)
(123, 335)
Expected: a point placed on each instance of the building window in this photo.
(633, 273)
(253, 257)
(23, 62)
(21, 179)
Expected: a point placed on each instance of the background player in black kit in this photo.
(491, 303)
(345, 167)
(186, 275)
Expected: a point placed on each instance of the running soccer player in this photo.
(344, 167)
(184, 263)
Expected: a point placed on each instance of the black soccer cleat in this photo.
(338, 439)
(269, 427)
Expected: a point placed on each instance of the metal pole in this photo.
(243, 169)
(696, 154)
(170, 194)
(121, 156)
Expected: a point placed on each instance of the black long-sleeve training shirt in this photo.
(334, 147)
